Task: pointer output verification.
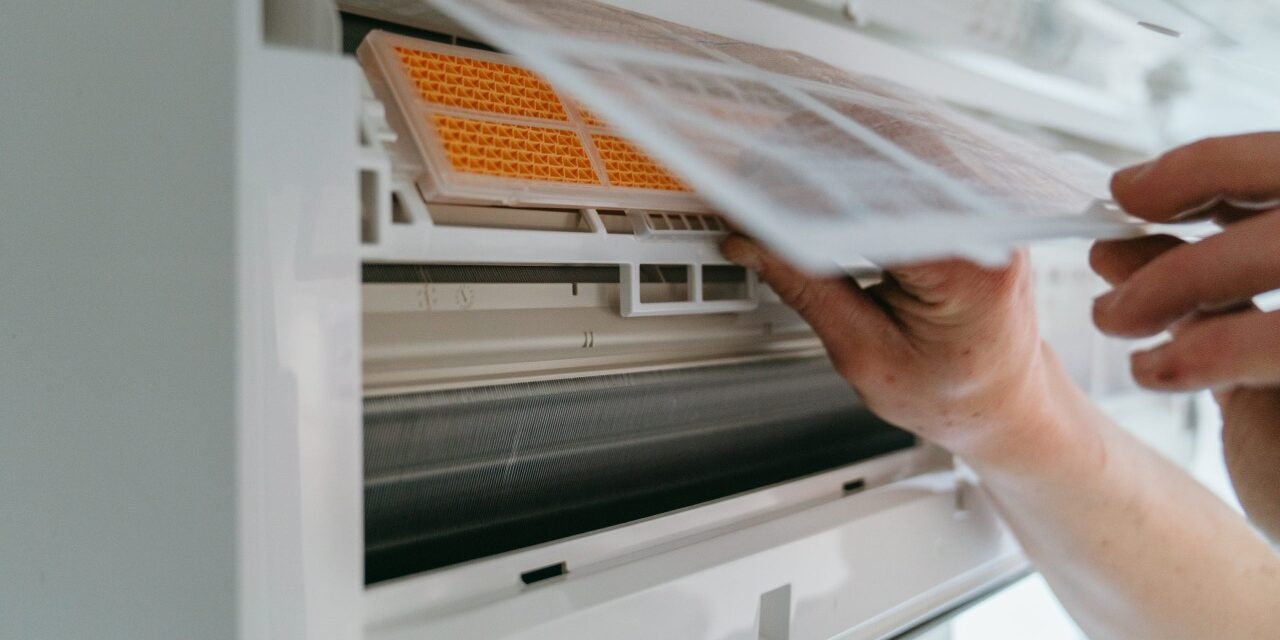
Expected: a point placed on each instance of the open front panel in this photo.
(823, 165)
(511, 406)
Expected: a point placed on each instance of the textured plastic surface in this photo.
(490, 131)
(627, 166)
(480, 85)
(514, 150)
(825, 166)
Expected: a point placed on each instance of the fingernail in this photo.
(1103, 304)
(742, 252)
(1197, 210)
(1129, 175)
(1153, 366)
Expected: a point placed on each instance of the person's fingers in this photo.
(1219, 272)
(1243, 168)
(1241, 349)
(850, 323)
(1116, 260)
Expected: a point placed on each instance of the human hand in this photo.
(1201, 293)
(948, 350)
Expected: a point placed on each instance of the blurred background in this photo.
(1198, 67)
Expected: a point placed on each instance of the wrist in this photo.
(1045, 425)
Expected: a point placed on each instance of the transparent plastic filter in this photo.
(826, 167)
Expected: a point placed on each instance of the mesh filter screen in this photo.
(826, 166)
(457, 475)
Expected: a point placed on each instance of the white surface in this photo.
(420, 241)
(862, 566)
(299, 479)
(179, 439)
(1027, 609)
(117, 321)
(419, 337)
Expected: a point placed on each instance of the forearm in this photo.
(1133, 546)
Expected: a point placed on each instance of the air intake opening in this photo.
(399, 212)
(509, 218)
(672, 284)
(368, 206)
(724, 282)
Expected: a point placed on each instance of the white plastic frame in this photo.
(419, 240)
(631, 304)
(397, 165)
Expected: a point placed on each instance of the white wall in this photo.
(117, 319)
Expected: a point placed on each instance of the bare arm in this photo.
(1132, 545)
(1200, 292)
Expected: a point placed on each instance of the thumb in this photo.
(957, 281)
(845, 317)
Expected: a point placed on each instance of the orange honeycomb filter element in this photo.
(514, 150)
(480, 85)
(626, 166)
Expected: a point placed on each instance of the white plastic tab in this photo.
(632, 305)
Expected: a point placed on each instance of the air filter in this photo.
(491, 131)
